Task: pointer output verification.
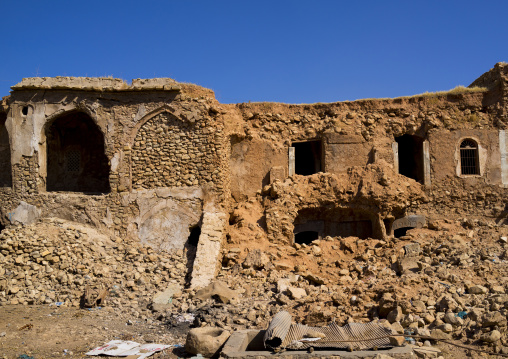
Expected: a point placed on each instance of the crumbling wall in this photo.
(374, 193)
(118, 111)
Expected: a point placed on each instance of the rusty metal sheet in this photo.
(355, 336)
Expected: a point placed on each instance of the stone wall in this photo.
(169, 152)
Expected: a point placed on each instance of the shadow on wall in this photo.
(5, 154)
(76, 157)
(191, 247)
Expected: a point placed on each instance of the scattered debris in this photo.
(125, 348)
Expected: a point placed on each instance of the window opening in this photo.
(308, 157)
(469, 158)
(73, 163)
(76, 159)
(411, 162)
(24, 111)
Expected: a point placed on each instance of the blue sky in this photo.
(286, 51)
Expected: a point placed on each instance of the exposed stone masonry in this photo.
(170, 152)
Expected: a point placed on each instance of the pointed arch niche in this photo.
(169, 152)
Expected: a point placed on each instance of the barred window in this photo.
(469, 164)
(73, 161)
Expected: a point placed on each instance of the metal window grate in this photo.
(73, 161)
(469, 158)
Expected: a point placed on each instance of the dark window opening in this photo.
(411, 157)
(5, 154)
(306, 237)
(24, 110)
(308, 157)
(314, 223)
(400, 232)
(469, 164)
(76, 157)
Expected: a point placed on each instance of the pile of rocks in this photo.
(435, 281)
(54, 261)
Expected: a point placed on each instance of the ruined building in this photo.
(166, 164)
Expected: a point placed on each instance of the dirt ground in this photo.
(43, 331)
(59, 332)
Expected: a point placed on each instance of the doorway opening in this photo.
(76, 157)
(308, 157)
(411, 163)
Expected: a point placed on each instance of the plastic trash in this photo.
(461, 315)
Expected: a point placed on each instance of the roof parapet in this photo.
(100, 84)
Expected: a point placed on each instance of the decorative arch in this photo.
(469, 157)
(75, 158)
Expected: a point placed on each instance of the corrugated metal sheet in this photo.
(356, 336)
(277, 330)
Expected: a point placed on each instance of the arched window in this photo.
(469, 164)
(76, 158)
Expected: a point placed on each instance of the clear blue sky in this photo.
(287, 51)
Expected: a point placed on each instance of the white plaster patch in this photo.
(25, 213)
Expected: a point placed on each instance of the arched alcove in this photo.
(76, 159)
(5, 154)
(315, 223)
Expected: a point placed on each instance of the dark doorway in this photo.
(5, 154)
(411, 157)
(191, 247)
(76, 158)
(306, 237)
(308, 157)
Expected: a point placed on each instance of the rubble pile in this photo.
(54, 262)
(447, 280)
